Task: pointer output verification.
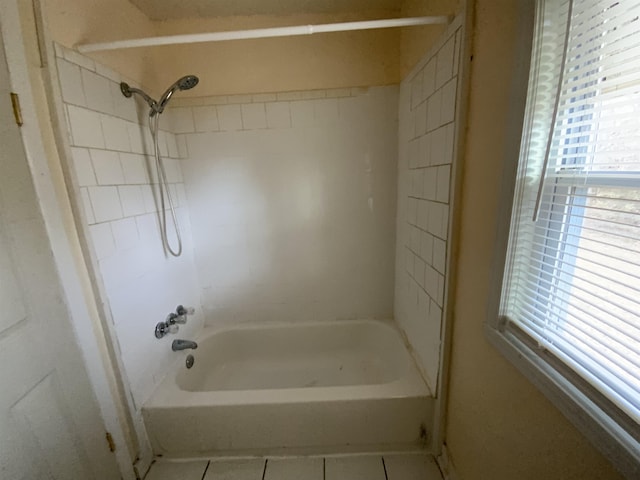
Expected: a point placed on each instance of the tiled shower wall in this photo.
(111, 149)
(292, 205)
(292, 200)
(428, 116)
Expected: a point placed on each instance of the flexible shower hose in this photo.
(163, 186)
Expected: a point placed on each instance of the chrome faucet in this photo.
(173, 321)
(178, 345)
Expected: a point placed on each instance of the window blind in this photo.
(572, 279)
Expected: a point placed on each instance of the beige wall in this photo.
(73, 22)
(279, 64)
(416, 41)
(499, 425)
(336, 60)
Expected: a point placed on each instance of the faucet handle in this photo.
(174, 319)
(181, 310)
(163, 328)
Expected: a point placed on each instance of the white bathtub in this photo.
(309, 388)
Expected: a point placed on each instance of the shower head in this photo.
(184, 83)
(187, 82)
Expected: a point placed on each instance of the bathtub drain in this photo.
(190, 361)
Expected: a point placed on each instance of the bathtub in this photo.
(325, 387)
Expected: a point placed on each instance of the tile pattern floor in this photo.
(353, 467)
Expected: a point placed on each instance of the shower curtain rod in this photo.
(263, 33)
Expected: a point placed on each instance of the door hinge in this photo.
(112, 444)
(17, 111)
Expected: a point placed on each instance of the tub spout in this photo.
(177, 345)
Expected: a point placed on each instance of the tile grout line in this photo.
(264, 471)
(384, 466)
(204, 474)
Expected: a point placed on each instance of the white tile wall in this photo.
(107, 168)
(134, 131)
(278, 115)
(229, 117)
(206, 119)
(116, 135)
(326, 111)
(254, 116)
(132, 200)
(88, 209)
(292, 204)
(125, 233)
(444, 61)
(180, 120)
(134, 168)
(181, 143)
(103, 240)
(86, 129)
(111, 150)
(427, 121)
(106, 203)
(71, 83)
(302, 114)
(97, 92)
(83, 166)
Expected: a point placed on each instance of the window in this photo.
(570, 300)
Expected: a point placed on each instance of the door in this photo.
(50, 424)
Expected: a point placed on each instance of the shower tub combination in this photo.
(323, 387)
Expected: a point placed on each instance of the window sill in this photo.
(582, 409)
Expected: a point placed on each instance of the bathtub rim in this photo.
(169, 395)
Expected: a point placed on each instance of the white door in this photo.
(50, 425)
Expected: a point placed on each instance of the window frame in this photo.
(608, 429)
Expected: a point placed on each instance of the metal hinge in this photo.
(112, 444)
(17, 111)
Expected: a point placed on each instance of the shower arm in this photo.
(127, 91)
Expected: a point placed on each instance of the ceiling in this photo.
(175, 9)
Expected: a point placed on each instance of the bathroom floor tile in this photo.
(294, 469)
(355, 467)
(242, 469)
(411, 467)
(166, 470)
(362, 467)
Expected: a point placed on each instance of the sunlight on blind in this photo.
(573, 276)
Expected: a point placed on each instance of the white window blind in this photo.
(572, 280)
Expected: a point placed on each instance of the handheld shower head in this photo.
(188, 82)
(185, 83)
(156, 108)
